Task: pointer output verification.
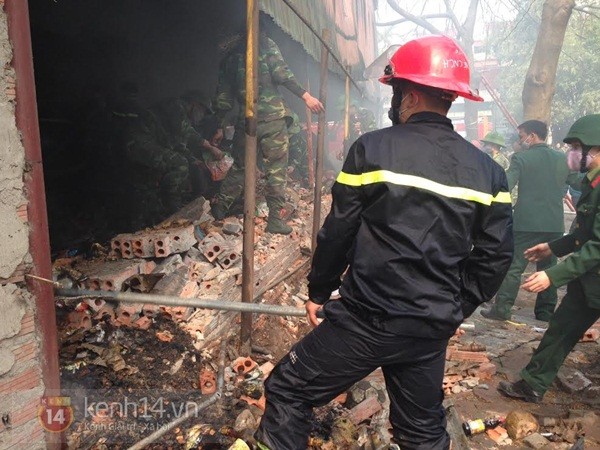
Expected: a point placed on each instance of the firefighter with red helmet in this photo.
(421, 226)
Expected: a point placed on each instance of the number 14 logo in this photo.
(55, 413)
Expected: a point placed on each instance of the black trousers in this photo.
(340, 352)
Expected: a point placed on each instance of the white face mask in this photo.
(527, 142)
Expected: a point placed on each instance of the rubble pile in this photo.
(189, 256)
(165, 356)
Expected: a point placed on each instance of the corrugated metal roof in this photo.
(352, 25)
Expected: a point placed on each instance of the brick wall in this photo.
(21, 384)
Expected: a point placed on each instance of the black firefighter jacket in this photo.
(422, 221)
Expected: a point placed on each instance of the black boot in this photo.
(520, 390)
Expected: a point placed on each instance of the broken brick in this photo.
(243, 365)
(590, 335)
(95, 304)
(364, 410)
(150, 310)
(453, 354)
(164, 336)
(498, 434)
(106, 311)
(486, 371)
(178, 313)
(261, 402)
(266, 369)
(208, 382)
(80, 319)
(143, 323)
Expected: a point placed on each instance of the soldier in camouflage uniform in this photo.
(178, 117)
(158, 175)
(272, 132)
(493, 143)
(360, 121)
(298, 156)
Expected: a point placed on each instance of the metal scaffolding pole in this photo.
(250, 171)
(320, 142)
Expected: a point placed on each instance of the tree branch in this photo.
(453, 17)
(425, 16)
(414, 19)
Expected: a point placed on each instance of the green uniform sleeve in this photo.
(514, 171)
(580, 262)
(280, 72)
(226, 87)
(574, 180)
(142, 147)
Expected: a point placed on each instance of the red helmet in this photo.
(435, 61)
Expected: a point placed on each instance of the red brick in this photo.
(178, 313)
(24, 413)
(106, 310)
(143, 323)
(364, 410)
(243, 365)
(497, 434)
(208, 382)
(26, 352)
(80, 319)
(461, 355)
(27, 324)
(22, 213)
(590, 335)
(26, 380)
(150, 310)
(486, 371)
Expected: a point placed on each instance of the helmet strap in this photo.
(584, 152)
(394, 111)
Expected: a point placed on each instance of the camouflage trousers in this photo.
(273, 143)
(298, 156)
(175, 183)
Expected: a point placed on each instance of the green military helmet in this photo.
(198, 97)
(494, 137)
(586, 130)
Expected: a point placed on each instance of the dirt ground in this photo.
(486, 401)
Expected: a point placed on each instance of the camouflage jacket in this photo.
(365, 118)
(273, 72)
(160, 131)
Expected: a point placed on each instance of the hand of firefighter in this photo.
(537, 282)
(538, 252)
(311, 313)
(217, 137)
(313, 103)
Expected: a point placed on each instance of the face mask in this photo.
(574, 160)
(526, 143)
(394, 113)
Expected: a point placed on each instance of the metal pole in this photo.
(320, 141)
(193, 412)
(250, 171)
(347, 110)
(309, 144)
(170, 300)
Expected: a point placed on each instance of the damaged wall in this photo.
(20, 367)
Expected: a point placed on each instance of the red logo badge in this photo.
(55, 413)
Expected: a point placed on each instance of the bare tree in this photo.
(464, 32)
(540, 82)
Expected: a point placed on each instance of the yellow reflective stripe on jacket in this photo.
(385, 176)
